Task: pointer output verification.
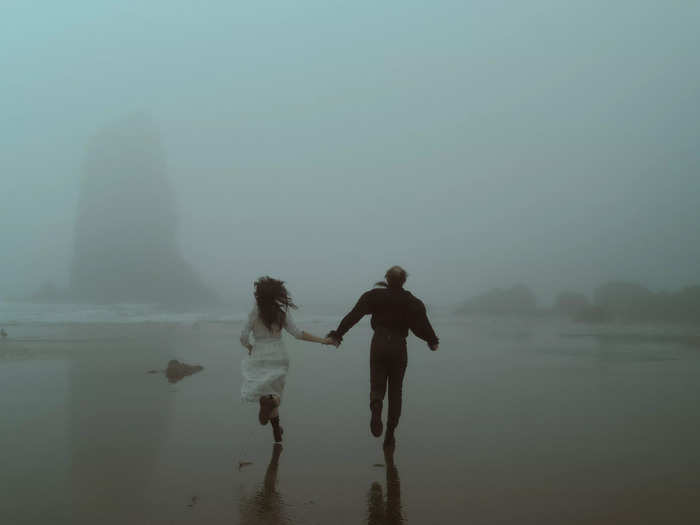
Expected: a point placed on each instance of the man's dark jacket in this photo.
(393, 309)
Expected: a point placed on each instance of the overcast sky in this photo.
(478, 144)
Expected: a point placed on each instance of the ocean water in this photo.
(14, 313)
(17, 312)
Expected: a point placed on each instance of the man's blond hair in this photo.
(395, 277)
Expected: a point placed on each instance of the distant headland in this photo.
(615, 301)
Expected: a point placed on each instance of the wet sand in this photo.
(510, 421)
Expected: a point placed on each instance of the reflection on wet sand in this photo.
(119, 419)
(380, 512)
(86, 430)
(267, 505)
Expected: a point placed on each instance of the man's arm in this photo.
(361, 309)
(422, 327)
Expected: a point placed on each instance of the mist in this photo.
(533, 166)
(477, 144)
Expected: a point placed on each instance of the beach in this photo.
(512, 420)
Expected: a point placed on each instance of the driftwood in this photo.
(177, 370)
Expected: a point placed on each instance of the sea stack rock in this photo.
(125, 235)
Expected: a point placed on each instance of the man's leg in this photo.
(396, 371)
(377, 377)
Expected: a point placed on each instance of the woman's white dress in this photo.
(265, 370)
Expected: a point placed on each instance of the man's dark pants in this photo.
(387, 364)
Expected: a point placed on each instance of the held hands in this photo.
(250, 349)
(330, 341)
(333, 338)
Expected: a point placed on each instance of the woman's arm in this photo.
(291, 327)
(247, 328)
(306, 336)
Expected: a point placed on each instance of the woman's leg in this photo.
(275, 411)
(268, 405)
(276, 427)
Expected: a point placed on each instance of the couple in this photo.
(394, 311)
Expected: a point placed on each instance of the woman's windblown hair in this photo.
(395, 278)
(273, 301)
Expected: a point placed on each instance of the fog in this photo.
(477, 144)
